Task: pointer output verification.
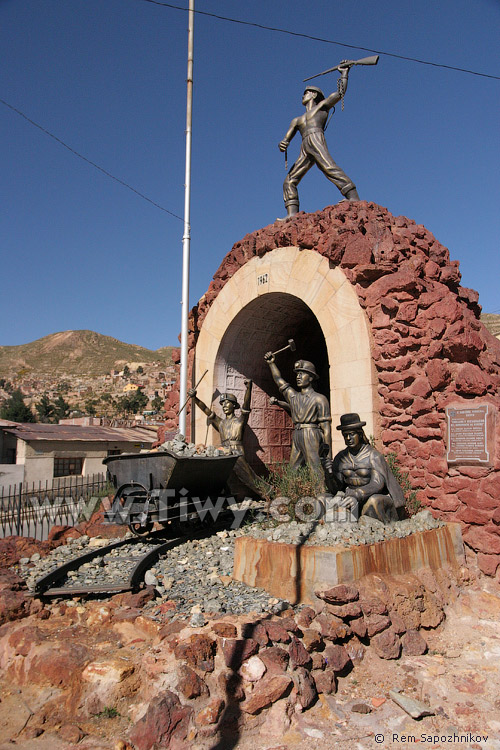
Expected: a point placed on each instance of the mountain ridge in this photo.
(80, 352)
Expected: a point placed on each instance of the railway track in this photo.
(117, 567)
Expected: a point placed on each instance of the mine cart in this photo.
(164, 487)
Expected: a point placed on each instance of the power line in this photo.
(321, 39)
(93, 164)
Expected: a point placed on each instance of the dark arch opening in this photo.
(266, 324)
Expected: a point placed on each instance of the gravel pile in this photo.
(181, 447)
(196, 576)
(347, 534)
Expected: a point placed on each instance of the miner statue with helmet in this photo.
(310, 413)
(312, 125)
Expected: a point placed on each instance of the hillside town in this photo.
(138, 388)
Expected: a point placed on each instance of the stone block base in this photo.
(295, 572)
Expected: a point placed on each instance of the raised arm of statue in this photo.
(192, 394)
(269, 357)
(245, 409)
(332, 100)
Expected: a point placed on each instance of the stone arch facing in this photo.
(429, 350)
(264, 303)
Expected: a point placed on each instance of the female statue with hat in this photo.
(312, 125)
(363, 473)
(231, 428)
(310, 412)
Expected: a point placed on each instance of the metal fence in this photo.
(33, 510)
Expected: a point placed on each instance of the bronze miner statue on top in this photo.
(310, 412)
(361, 472)
(312, 125)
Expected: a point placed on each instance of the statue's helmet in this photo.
(319, 94)
(229, 397)
(302, 365)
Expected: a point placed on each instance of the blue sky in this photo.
(107, 77)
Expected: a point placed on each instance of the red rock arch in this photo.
(429, 349)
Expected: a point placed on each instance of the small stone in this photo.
(377, 702)
(345, 611)
(372, 605)
(358, 627)
(211, 713)
(312, 640)
(340, 594)
(305, 617)
(332, 628)
(277, 632)
(71, 733)
(268, 691)
(298, 655)
(306, 687)
(415, 709)
(257, 631)
(317, 661)
(355, 650)
(231, 685)
(325, 681)
(197, 620)
(316, 734)
(190, 684)
(238, 650)
(275, 658)
(361, 708)
(336, 657)
(198, 651)
(224, 629)
(413, 643)
(387, 645)
(252, 669)
(376, 624)
(149, 578)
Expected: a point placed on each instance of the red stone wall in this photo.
(429, 348)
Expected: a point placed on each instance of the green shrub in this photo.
(292, 484)
(412, 505)
(108, 712)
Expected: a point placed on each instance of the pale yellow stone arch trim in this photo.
(333, 300)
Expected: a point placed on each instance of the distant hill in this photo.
(492, 323)
(76, 353)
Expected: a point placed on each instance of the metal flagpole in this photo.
(186, 238)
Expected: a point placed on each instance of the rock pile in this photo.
(180, 683)
(181, 447)
(347, 534)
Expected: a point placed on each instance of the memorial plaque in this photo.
(467, 435)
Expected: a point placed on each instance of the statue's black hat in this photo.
(350, 422)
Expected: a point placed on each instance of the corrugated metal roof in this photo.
(94, 433)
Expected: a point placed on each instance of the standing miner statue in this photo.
(231, 429)
(311, 126)
(310, 412)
